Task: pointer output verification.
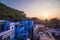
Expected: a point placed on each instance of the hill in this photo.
(6, 11)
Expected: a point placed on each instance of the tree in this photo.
(54, 23)
(12, 13)
(46, 22)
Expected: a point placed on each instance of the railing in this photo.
(47, 36)
(6, 34)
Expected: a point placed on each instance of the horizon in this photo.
(42, 9)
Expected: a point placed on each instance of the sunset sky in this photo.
(36, 8)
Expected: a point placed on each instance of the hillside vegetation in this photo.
(6, 12)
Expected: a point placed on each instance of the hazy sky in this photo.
(36, 8)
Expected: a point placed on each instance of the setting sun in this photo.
(46, 16)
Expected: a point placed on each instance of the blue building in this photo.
(17, 30)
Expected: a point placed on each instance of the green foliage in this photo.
(53, 23)
(6, 12)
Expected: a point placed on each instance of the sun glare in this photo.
(46, 16)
